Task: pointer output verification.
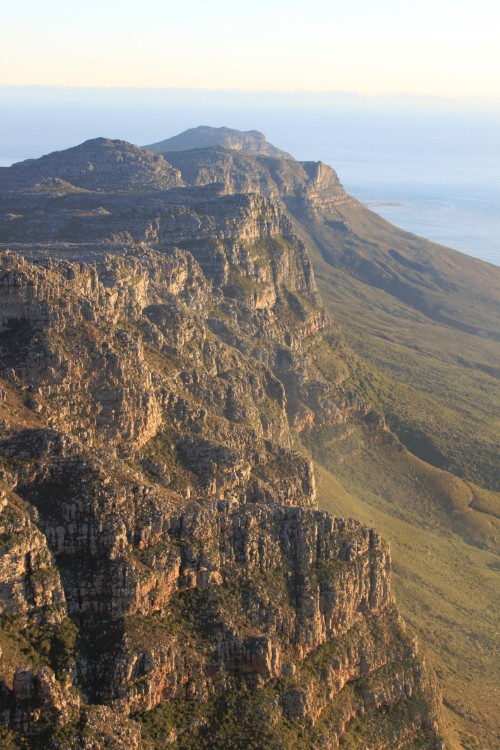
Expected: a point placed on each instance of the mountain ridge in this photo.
(205, 136)
(202, 367)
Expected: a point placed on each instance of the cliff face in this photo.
(166, 578)
(306, 188)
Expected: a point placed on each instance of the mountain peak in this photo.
(205, 136)
(98, 164)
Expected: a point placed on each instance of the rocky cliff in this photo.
(305, 188)
(166, 577)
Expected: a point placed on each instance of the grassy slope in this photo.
(437, 382)
(426, 322)
(445, 588)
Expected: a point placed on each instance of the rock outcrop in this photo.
(306, 188)
(167, 580)
(99, 165)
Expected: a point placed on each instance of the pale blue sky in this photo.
(441, 47)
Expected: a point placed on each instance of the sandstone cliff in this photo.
(166, 578)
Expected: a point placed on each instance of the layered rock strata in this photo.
(167, 579)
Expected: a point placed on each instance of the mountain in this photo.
(170, 365)
(424, 320)
(99, 165)
(431, 300)
(204, 136)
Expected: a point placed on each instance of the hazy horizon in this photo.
(38, 117)
(437, 47)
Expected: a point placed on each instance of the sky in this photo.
(447, 48)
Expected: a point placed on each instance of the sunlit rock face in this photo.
(166, 575)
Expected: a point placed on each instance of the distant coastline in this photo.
(432, 172)
(472, 232)
(457, 206)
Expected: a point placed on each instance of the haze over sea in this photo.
(428, 166)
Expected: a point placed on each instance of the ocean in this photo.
(431, 169)
(432, 176)
(461, 211)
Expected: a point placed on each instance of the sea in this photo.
(429, 166)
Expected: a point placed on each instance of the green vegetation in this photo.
(10, 740)
(445, 588)
(37, 645)
(428, 339)
(240, 718)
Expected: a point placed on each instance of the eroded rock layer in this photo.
(166, 579)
